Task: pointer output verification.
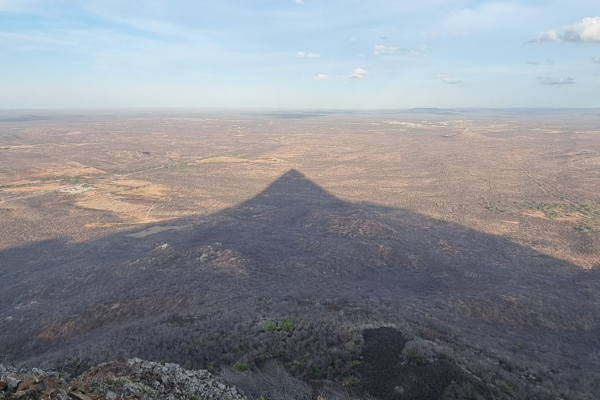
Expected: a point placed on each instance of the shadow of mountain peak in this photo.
(293, 187)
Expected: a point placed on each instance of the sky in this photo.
(299, 54)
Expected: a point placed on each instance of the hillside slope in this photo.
(199, 291)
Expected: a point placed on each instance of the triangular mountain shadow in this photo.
(293, 188)
(293, 241)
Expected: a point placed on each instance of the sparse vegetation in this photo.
(287, 325)
(314, 372)
(586, 216)
(272, 382)
(418, 351)
(488, 205)
(242, 367)
(519, 346)
(268, 326)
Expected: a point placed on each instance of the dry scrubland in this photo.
(412, 255)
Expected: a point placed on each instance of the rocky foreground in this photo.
(135, 379)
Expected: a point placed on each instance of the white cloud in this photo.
(361, 55)
(384, 36)
(358, 73)
(307, 55)
(547, 37)
(298, 1)
(320, 77)
(448, 80)
(596, 60)
(586, 31)
(557, 81)
(423, 48)
(381, 49)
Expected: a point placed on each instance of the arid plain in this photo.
(474, 231)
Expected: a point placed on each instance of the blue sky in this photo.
(342, 54)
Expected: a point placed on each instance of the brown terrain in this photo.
(424, 254)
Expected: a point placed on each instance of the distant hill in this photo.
(27, 118)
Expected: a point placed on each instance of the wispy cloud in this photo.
(448, 79)
(298, 1)
(586, 31)
(320, 77)
(359, 73)
(547, 37)
(384, 36)
(596, 60)
(381, 49)
(556, 81)
(531, 62)
(307, 55)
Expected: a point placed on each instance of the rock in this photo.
(12, 382)
(137, 379)
(79, 396)
(22, 386)
(40, 387)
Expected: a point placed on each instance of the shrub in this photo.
(241, 367)
(519, 346)
(356, 363)
(273, 383)
(413, 356)
(268, 326)
(287, 325)
(418, 351)
(314, 372)
(351, 382)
